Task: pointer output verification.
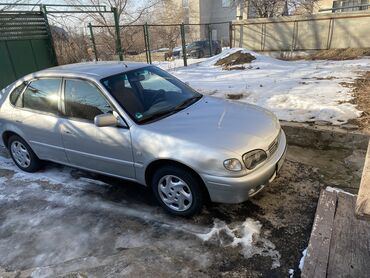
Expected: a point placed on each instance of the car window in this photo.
(84, 101)
(153, 81)
(150, 93)
(14, 96)
(42, 95)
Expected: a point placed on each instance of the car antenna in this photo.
(126, 66)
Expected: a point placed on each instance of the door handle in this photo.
(68, 132)
(18, 121)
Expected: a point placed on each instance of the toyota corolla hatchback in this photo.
(139, 123)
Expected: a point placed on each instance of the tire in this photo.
(200, 54)
(22, 155)
(187, 185)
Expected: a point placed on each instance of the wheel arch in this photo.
(157, 164)
(6, 136)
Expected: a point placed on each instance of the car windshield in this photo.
(149, 94)
(196, 44)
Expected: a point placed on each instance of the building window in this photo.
(226, 3)
(350, 5)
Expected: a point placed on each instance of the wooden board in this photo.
(350, 242)
(316, 260)
(363, 199)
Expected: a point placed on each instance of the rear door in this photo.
(102, 149)
(37, 117)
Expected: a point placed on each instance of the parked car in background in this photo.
(200, 49)
(197, 49)
(177, 52)
(137, 122)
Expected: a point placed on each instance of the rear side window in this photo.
(42, 95)
(83, 100)
(14, 96)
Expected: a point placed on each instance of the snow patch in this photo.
(247, 235)
(301, 262)
(302, 91)
(337, 190)
(2, 181)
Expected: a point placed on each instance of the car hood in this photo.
(217, 123)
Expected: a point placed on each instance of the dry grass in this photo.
(332, 54)
(159, 56)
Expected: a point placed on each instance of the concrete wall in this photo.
(315, 32)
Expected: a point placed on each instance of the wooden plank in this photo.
(363, 199)
(350, 242)
(317, 257)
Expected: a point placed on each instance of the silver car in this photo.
(137, 122)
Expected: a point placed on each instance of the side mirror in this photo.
(106, 120)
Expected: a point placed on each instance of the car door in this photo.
(102, 149)
(37, 118)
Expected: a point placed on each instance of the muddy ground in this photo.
(63, 222)
(361, 93)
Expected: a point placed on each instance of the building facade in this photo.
(217, 12)
(341, 6)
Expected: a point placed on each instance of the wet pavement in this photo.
(63, 222)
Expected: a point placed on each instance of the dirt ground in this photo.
(235, 59)
(63, 222)
(361, 92)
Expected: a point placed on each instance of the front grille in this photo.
(274, 145)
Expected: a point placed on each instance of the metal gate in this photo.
(25, 45)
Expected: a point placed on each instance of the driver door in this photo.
(102, 149)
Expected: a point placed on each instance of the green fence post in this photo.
(183, 43)
(118, 35)
(231, 34)
(210, 40)
(93, 41)
(52, 48)
(146, 45)
(148, 42)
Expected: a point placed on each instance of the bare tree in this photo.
(128, 11)
(169, 12)
(273, 8)
(10, 5)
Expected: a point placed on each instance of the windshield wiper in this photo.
(158, 116)
(167, 113)
(187, 102)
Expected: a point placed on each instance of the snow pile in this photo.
(303, 91)
(247, 235)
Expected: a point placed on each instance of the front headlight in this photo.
(253, 158)
(233, 164)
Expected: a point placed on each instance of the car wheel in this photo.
(178, 191)
(200, 54)
(22, 154)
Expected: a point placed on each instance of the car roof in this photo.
(95, 70)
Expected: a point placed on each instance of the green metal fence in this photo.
(25, 45)
(140, 42)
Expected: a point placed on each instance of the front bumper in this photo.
(234, 190)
